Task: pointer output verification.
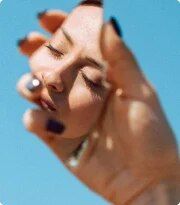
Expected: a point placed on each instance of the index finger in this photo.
(51, 20)
(123, 70)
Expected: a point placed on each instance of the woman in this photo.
(98, 112)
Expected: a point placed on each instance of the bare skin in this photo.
(129, 154)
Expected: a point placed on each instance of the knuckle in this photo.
(35, 35)
(143, 114)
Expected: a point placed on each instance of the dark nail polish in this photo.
(33, 85)
(41, 14)
(116, 26)
(21, 41)
(55, 127)
(92, 2)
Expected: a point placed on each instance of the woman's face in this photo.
(71, 68)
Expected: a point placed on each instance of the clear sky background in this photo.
(29, 172)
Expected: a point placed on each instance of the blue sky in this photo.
(29, 172)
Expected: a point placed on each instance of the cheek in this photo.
(85, 107)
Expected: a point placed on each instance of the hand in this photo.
(131, 146)
(139, 129)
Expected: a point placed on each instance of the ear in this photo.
(51, 20)
(29, 44)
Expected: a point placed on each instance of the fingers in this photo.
(31, 43)
(49, 129)
(123, 69)
(51, 20)
(29, 87)
(42, 124)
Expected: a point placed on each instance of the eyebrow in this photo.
(67, 36)
(97, 64)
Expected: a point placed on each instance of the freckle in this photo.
(109, 143)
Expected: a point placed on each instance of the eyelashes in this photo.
(54, 52)
(58, 55)
(90, 83)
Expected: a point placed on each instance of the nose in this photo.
(53, 81)
(58, 78)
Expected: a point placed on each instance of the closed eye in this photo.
(56, 53)
(91, 83)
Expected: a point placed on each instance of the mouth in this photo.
(47, 105)
(82, 150)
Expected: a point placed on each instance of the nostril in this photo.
(52, 82)
(56, 88)
(52, 87)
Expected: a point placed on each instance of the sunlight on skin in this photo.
(106, 145)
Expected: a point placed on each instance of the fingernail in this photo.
(21, 41)
(116, 26)
(92, 2)
(55, 127)
(33, 84)
(41, 14)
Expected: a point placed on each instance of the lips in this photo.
(47, 105)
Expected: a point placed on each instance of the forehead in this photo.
(83, 25)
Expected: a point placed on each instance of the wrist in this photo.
(134, 190)
(166, 193)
